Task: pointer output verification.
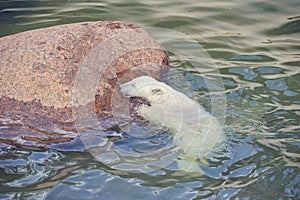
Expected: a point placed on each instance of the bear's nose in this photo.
(123, 91)
(125, 95)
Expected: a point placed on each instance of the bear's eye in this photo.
(156, 91)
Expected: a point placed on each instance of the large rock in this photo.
(39, 70)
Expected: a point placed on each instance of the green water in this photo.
(256, 47)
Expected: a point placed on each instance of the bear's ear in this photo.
(157, 91)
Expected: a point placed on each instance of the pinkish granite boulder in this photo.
(40, 68)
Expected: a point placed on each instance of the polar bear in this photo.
(195, 130)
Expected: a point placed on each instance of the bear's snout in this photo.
(126, 89)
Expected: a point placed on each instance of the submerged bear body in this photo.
(195, 130)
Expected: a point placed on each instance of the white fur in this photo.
(195, 130)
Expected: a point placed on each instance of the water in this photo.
(254, 44)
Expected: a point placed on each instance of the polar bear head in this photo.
(146, 87)
(165, 102)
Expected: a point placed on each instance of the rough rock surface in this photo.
(39, 68)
